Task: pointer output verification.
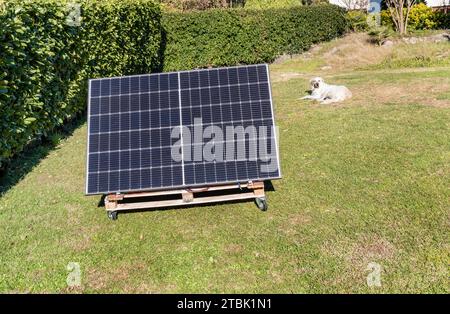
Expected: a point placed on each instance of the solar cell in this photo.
(132, 120)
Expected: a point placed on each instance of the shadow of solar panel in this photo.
(143, 130)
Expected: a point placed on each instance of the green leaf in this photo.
(29, 120)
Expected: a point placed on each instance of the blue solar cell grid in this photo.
(130, 120)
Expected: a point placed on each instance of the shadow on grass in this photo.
(37, 150)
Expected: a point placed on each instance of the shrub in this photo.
(45, 62)
(268, 4)
(379, 34)
(442, 20)
(186, 5)
(386, 19)
(357, 20)
(241, 36)
(422, 16)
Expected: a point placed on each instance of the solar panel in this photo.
(180, 129)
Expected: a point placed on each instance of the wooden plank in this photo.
(188, 196)
(143, 194)
(180, 202)
(108, 204)
(257, 185)
(250, 185)
(259, 192)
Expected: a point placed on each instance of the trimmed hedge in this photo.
(45, 62)
(239, 36)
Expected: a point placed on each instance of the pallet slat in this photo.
(188, 197)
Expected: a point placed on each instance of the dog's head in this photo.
(316, 82)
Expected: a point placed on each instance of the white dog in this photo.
(325, 93)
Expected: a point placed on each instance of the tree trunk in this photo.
(401, 21)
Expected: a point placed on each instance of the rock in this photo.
(441, 38)
(388, 43)
(411, 40)
(326, 67)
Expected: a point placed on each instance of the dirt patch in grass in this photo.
(73, 290)
(370, 249)
(148, 288)
(233, 248)
(123, 275)
(424, 92)
(96, 279)
(366, 249)
(357, 256)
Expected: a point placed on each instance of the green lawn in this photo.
(363, 181)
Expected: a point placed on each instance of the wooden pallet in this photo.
(116, 202)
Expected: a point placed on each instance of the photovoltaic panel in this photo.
(131, 120)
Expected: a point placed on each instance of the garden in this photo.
(365, 182)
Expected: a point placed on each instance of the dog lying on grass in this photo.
(325, 93)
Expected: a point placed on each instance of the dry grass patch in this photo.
(233, 248)
(425, 92)
(353, 51)
(122, 277)
(294, 223)
(358, 253)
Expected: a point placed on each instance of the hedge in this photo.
(240, 36)
(45, 62)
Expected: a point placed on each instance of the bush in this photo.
(357, 20)
(386, 19)
(422, 16)
(45, 62)
(443, 20)
(379, 34)
(241, 36)
(186, 5)
(269, 4)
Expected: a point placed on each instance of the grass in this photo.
(364, 181)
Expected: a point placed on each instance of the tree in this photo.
(400, 10)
